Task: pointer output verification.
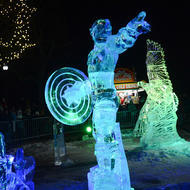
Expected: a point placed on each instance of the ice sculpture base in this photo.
(116, 179)
(102, 180)
(177, 145)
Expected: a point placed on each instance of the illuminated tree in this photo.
(15, 25)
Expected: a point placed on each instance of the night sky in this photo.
(61, 30)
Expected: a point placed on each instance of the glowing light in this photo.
(5, 67)
(88, 129)
(15, 45)
(65, 104)
(11, 158)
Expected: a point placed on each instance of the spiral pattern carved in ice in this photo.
(69, 109)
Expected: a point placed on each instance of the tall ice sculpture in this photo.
(112, 170)
(70, 96)
(23, 167)
(157, 119)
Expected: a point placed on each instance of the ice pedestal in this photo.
(114, 178)
(59, 143)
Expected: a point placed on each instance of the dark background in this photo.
(61, 31)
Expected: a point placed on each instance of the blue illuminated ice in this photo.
(81, 94)
(112, 172)
(24, 167)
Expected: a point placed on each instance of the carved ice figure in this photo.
(23, 175)
(157, 120)
(142, 120)
(24, 169)
(59, 142)
(70, 97)
(3, 163)
(6, 161)
(112, 170)
(80, 88)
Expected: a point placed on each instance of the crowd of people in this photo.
(131, 103)
(25, 110)
(22, 110)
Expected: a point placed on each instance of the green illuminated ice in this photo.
(69, 93)
(156, 124)
(111, 173)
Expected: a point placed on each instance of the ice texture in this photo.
(59, 142)
(23, 167)
(156, 124)
(68, 96)
(78, 90)
(112, 172)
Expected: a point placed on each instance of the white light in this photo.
(11, 158)
(5, 67)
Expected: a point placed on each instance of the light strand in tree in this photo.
(19, 13)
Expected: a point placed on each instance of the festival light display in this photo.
(15, 42)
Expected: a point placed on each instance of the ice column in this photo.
(59, 143)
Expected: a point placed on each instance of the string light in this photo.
(19, 14)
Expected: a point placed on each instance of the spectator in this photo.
(28, 112)
(19, 114)
(37, 113)
(6, 115)
(13, 118)
(1, 108)
(131, 107)
(6, 126)
(4, 104)
(13, 113)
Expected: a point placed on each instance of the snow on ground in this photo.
(149, 170)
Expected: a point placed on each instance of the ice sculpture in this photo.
(157, 120)
(59, 142)
(78, 86)
(142, 120)
(3, 163)
(112, 170)
(70, 96)
(24, 167)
